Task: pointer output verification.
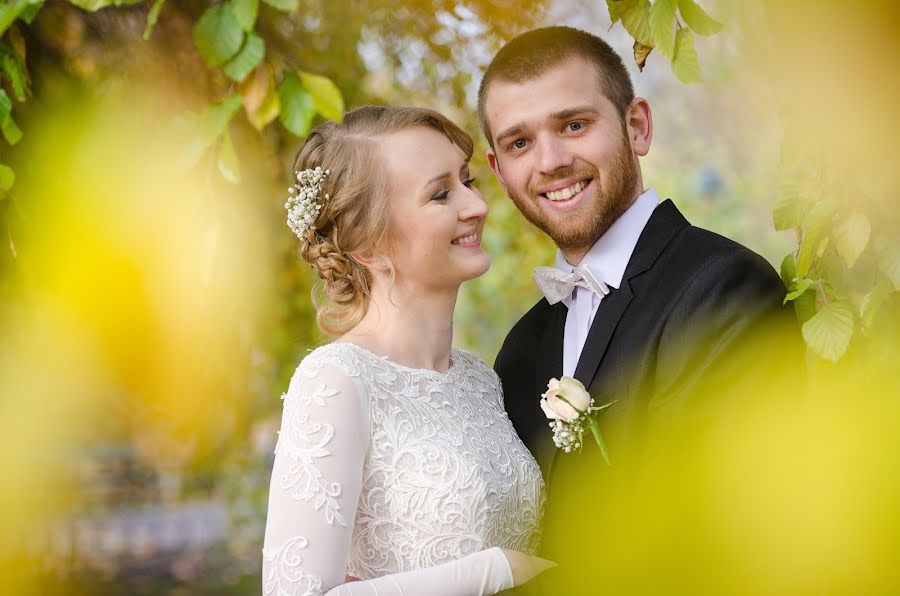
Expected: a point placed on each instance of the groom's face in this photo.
(562, 153)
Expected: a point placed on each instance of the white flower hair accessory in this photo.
(303, 204)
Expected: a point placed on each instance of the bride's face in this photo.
(437, 215)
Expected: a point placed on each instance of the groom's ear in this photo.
(495, 168)
(639, 123)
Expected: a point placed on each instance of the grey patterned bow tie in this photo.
(556, 284)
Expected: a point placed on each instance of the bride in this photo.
(397, 470)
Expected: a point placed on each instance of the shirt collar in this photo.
(609, 256)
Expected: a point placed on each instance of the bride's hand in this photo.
(525, 567)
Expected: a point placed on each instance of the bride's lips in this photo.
(567, 196)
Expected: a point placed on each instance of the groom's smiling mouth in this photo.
(566, 191)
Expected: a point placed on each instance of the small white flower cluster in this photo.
(567, 435)
(303, 207)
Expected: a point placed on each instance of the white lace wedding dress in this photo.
(409, 479)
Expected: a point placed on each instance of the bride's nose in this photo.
(474, 206)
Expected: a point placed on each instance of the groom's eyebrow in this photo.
(513, 130)
(517, 129)
(572, 112)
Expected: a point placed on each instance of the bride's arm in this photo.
(316, 481)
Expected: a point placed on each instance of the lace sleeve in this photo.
(315, 487)
(316, 480)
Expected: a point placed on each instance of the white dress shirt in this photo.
(607, 260)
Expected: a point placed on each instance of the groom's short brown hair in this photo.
(533, 53)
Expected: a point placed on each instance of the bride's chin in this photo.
(482, 268)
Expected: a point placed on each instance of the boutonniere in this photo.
(570, 409)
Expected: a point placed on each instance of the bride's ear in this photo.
(372, 260)
(495, 168)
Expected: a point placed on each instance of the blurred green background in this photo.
(152, 309)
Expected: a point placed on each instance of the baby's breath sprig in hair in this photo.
(303, 204)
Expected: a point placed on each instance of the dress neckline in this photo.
(409, 369)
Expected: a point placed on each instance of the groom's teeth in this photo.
(566, 193)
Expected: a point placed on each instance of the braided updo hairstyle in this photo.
(355, 216)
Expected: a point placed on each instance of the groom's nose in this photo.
(553, 154)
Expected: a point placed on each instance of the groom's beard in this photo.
(580, 228)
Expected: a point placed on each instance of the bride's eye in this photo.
(441, 196)
(469, 183)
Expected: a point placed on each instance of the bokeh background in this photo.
(152, 308)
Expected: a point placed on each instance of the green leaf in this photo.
(152, 17)
(186, 132)
(598, 438)
(814, 228)
(245, 12)
(889, 261)
(788, 269)
(828, 333)
(11, 132)
(805, 305)
(613, 6)
(285, 5)
(685, 65)
(33, 9)
(797, 289)
(5, 106)
(228, 161)
(10, 65)
(662, 26)
(790, 209)
(218, 35)
(9, 12)
(7, 177)
(635, 15)
(871, 303)
(852, 237)
(697, 19)
(247, 59)
(325, 94)
(297, 106)
(95, 5)
(216, 117)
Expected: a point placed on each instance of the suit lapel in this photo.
(549, 366)
(662, 226)
(607, 318)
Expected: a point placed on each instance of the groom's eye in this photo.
(575, 126)
(518, 144)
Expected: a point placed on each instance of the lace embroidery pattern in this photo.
(305, 442)
(445, 474)
(282, 571)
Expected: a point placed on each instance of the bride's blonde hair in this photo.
(355, 216)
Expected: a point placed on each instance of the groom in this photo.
(659, 315)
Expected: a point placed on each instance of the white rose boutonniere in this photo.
(570, 408)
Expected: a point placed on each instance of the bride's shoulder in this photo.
(472, 362)
(339, 357)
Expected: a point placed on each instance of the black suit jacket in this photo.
(673, 335)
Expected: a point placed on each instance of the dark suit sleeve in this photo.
(727, 341)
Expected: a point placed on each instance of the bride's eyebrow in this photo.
(438, 178)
